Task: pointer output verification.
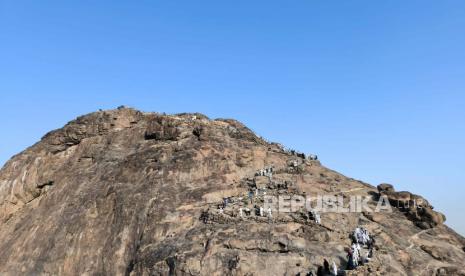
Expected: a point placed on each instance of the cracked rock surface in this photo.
(124, 192)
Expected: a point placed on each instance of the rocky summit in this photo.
(124, 192)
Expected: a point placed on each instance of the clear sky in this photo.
(376, 88)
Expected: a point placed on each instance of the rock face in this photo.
(123, 192)
(415, 207)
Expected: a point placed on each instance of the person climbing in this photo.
(367, 257)
(224, 202)
(354, 238)
(365, 236)
(371, 243)
(355, 235)
(312, 157)
(204, 216)
(251, 197)
(316, 217)
(355, 253)
(350, 260)
(334, 269)
(326, 266)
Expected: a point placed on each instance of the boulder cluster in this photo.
(415, 207)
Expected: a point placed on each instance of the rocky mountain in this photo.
(124, 192)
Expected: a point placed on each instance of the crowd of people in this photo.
(359, 253)
(361, 240)
(252, 201)
(312, 157)
(360, 237)
(267, 171)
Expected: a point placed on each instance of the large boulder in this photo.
(415, 207)
(429, 218)
(384, 187)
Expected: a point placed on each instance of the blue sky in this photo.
(376, 88)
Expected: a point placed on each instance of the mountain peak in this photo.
(138, 193)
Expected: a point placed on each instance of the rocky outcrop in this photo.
(161, 128)
(386, 188)
(124, 192)
(414, 206)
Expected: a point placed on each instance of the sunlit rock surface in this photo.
(123, 192)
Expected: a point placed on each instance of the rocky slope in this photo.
(122, 192)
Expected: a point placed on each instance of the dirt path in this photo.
(415, 238)
(353, 190)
